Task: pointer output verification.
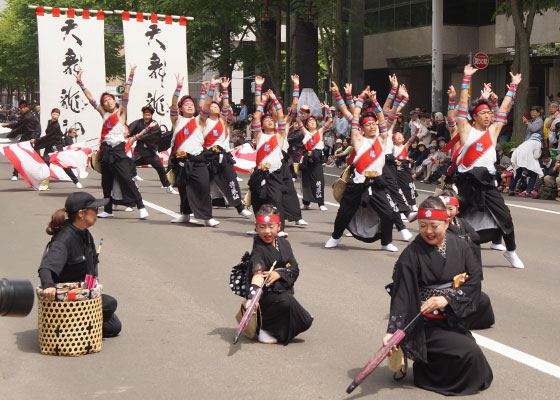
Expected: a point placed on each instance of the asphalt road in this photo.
(171, 282)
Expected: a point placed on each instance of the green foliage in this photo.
(504, 6)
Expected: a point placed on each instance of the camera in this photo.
(16, 297)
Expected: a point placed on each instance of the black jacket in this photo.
(69, 256)
(53, 138)
(150, 139)
(27, 126)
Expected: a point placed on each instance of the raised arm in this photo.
(349, 97)
(202, 97)
(205, 110)
(87, 93)
(259, 81)
(451, 112)
(355, 130)
(256, 126)
(124, 100)
(463, 106)
(225, 97)
(505, 108)
(174, 109)
(381, 123)
(394, 87)
(340, 102)
(292, 111)
(328, 124)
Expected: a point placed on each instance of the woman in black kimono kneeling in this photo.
(447, 359)
(283, 318)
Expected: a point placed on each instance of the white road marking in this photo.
(497, 347)
(519, 356)
(508, 204)
(512, 205)
(161, 209)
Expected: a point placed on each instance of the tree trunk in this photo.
(306, 54)
(337, 53)
(277, 78)
(523, 27)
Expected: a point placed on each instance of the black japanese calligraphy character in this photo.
(70, 100)
(161, 45)
(157, 102)
(78, 40)
(80, 130)
(69, 25)
(157, 68)
(152, 32)
(71, 63)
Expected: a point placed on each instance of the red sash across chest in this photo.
(369, 157)
(477, 149)
(314, 141)
(403, 155)
(184, 134)
(214, 134)
(267, 148)
(109, 124)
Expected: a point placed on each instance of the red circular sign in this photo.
(481, 60)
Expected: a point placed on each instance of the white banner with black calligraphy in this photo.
(159, 50)
(68, 42)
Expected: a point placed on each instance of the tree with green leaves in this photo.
(523, 12)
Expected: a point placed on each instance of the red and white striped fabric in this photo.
(27, 162)
(245, 158)
(73, 157)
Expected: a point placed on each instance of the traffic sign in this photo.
(481, 60)
(120, 89)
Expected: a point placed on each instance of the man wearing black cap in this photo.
(27, 126)
(535, 124)
(53, 141)
(146, 146)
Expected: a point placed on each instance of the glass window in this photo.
(369, 4)
(420, 14)
(385, 3)
(387, 20)
(402, 17)
(371, 21)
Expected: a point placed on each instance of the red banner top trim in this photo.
(139, 17)
(56, 12)
(85, 14)
(71, 13)
(154, 18)
(183, 21)
(168, 19)
(40, 11)
(100, 15)
(125, 16)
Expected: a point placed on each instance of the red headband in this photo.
(481, 107)
(185, 100)
(429, 213)
(368, 119)
(369, 109)
(395, 134)
(266, 116)
(450, 200)
(309, 119)
(268, 219)
(105, 96)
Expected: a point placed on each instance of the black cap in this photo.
(81, 200)
(536, 108)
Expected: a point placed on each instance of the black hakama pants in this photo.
(483, 317)
(193, 183)
(406, 184)
(222, 173)
(358, 195)
(456, 365)
(312, 178)
(283, 317)
(115, 165)
(268, 188)
(478, 191)
(143, 156)
(290, 199)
